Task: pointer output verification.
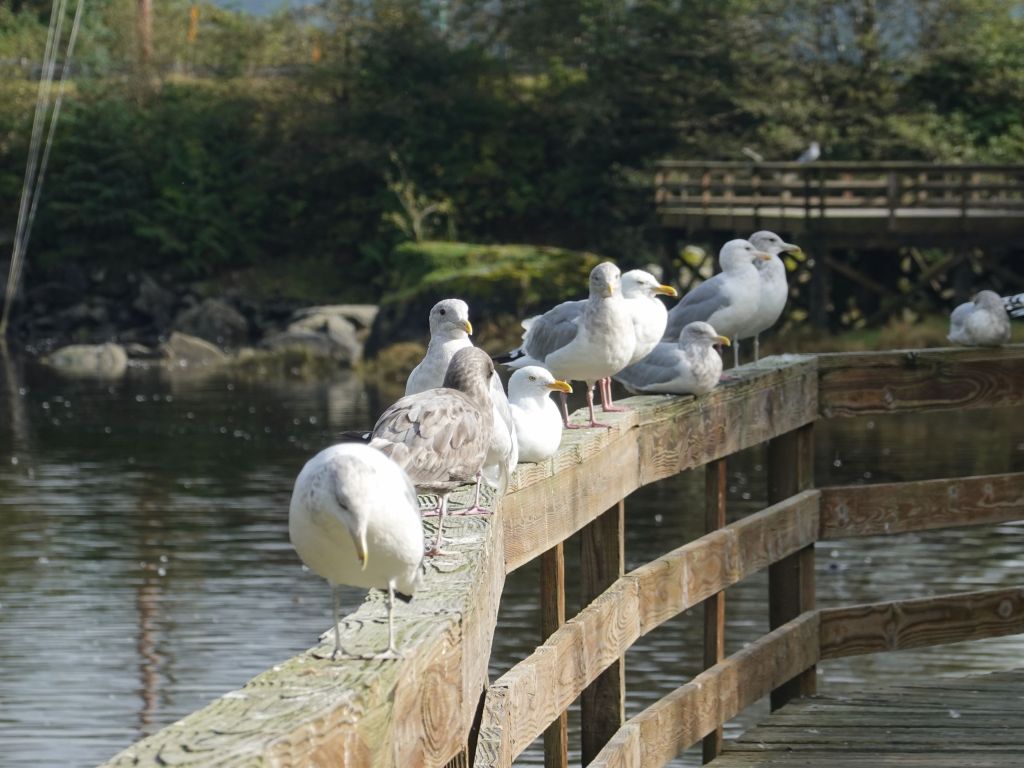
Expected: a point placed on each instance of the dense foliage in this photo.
(340, 131)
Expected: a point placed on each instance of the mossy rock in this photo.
(495, 280)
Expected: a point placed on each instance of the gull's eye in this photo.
(533, 378)
(442, 311)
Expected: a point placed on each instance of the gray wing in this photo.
(660, 366)
(698, 304)
(553, 330)
(439, 435)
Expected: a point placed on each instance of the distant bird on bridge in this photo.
(440, 437)
(582, 340)
(1014, 305)
(757, 157)
(538, 422)
(691, 366)
(354, 519)
(812, 153)
(981, 322)
(450, 330)
(728, 300)
(774, 288)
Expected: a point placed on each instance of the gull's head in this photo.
(736, 254)
(773, 245)
(700, 334)
(605, 280)
(534, 381)
(640, 284)
(469, 371)
(988, 300)
(450, 318)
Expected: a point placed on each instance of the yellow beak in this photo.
(561, 386)
(724, 340)
(797, 253)
(361, 553)
(468, 326)
(609, 292)
(667, 290)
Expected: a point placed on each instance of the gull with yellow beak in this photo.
(582, 340)
(774, 287)
(450, 330)
(690, 367)
(354, 519)
(538, 422)
(728, 300)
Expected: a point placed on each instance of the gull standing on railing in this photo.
(728, 300)
(774, 288)
(981, 322)
(440, 437)
(354, 520)
(538, 422)
(690, 367)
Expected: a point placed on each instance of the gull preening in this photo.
(583, 341)
(690, 367)
(354, 519)
(441, 437)
(981, 322)
(774, 288)
(538, 422)
(728, 300)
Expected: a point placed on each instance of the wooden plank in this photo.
(890, 508)
(415, 711)
(714, 607)
(602, 563)
(906, 381)
(900, 624)
(552, 611)
(790, 470)
(683, 717)
(523, 701)
(660, 437)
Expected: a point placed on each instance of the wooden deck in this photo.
(944, 723)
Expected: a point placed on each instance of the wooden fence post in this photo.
(714, 606)
(602, 561)
(790, 467)
(552, 616)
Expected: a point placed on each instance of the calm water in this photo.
(145, 566)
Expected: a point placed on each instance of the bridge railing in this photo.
(436, 706)
(820, 188)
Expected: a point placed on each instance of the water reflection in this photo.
(145, 566)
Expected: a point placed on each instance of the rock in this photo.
(184, 350)
(154, 301)
(215, 321)
(138, 351)
(343, 336)
(97, 360)
(360, 315)
(336, 341)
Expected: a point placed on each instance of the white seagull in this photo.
(982, 322)
(690, 367)
(440, 437)
(538, 422)
(728, 300)
(354, 520)
(774, 288)
(583, 343)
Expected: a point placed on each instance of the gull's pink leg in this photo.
(476, 509)
(435, 548)
(590, 407)
(565, 413)
(606, 397)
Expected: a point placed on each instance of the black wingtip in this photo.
(403, 597)
(355, 436)
(509, 357)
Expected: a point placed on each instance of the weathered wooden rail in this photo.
(436, 706)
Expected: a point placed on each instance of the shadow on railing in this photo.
(436, 707)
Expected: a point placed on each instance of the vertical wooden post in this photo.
(714, 606)
(602, 561)
(791, 580)
(552, 616)
(144, 29)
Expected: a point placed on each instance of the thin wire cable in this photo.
(53, 36)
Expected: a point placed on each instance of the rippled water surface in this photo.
(145, 566)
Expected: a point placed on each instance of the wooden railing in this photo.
(824, 189)
(436, 706)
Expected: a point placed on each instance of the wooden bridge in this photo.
(834, 207)
(437, 707)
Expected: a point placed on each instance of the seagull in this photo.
(728, 300)
(774, 287)
(354, 519)
(1014, 305)
(690, 367)
(582, 341)
(440, 437)
(450, 330)
(809, 155)
(538, 422)
(982, 322)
